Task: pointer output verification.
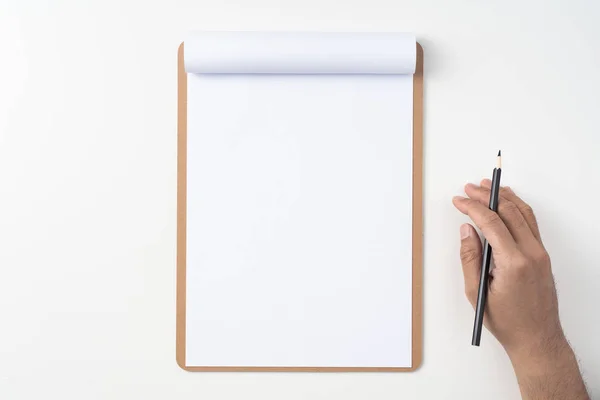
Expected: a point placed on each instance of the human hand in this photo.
(522, 307)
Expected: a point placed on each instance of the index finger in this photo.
(491, 225)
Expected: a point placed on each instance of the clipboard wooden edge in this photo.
(417, 234)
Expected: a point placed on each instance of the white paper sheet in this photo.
(300, 53)
(299, 220)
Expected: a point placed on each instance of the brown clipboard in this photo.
(417, 236)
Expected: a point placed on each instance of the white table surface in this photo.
(88, 186)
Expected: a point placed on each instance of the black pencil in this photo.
(487, 258)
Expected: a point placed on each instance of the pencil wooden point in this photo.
(499, 160)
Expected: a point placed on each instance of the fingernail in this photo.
(457, 199)
(471, 185)
(465, 231)
(509, 189)
(486, 182)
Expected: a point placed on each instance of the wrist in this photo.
(539, 354)
(548, 369)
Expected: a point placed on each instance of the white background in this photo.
(88, 186)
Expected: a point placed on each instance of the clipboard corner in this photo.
(180, 360)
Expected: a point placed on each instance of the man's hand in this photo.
(522, 307)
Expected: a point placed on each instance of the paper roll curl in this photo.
(299, 53)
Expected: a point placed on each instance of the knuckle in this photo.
(469, 255)
(541, 257)
(519, 221)
(491, 219)
(468, 201)
(508, 207)
(528, 212)
(520, 263)
(510, 212)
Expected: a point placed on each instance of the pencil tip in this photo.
(499, 151)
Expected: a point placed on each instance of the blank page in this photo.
(299, 215)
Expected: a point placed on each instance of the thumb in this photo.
(470, 257)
